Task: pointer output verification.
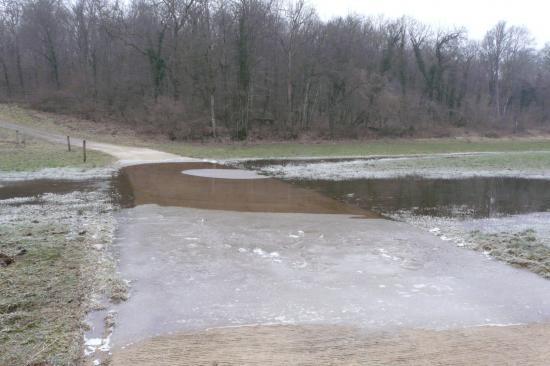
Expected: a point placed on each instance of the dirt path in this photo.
(332, 345)
(124, 154)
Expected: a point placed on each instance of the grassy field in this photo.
(35, 154)
(527, 161)
(370, 148)
(127, 136)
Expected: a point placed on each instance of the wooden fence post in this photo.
(84, 149)
(69, 143)
(17, 137)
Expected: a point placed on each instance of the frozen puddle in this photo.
(225, 173)
(289, 268)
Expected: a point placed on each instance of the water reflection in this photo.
(473, 197)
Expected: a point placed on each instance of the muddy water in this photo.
(472, 197)
(166, 185)
(34, 188)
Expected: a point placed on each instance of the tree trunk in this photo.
(305, 106)
(19, 69)
(497, 92)
(213, 114)
(52, 59)
(6, 77)
(289, 90)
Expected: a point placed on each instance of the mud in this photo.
(166, 185)
(333, 345)
(5, 260)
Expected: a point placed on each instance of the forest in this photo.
(268, 69)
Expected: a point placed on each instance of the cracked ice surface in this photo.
(194, 269)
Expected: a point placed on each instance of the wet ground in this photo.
(337, 345)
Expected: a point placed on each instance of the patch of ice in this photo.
(262, 253)
(17, 200)
(93, 342)
(58, 173)
(392, 167)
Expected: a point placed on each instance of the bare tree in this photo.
(297, 15)
(265, 68)
(501, 44)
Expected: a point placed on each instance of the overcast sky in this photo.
(476, 15)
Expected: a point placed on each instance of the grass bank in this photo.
(59, 266)
(522, 250)
(32, 154)
(41, 306)
(126, 135)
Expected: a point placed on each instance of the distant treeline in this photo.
(258, 68)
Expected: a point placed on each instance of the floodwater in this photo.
(478, 197)
(204, 252)
(37, 187)
(183, 185)
(473, 197)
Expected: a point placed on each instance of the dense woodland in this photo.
(267, 69)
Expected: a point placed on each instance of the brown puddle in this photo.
(37, 187)
(166, 185)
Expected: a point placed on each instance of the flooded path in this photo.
(254, 254)
(170, 184)
(195, 269)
